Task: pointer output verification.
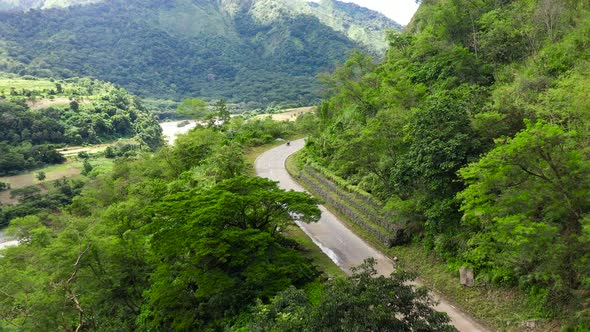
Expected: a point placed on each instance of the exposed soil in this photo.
(24, 180)
(289, 114)
(47, 102)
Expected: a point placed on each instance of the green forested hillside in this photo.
(241, 51)
(474, 132)
(181, 239)
(37, 116)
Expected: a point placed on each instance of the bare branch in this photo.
(72, 295)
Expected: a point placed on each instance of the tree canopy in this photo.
(473, 134)
(362, 302)
(31, 135)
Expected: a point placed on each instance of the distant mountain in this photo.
(259, 51)
(359, 24)
(41, 4)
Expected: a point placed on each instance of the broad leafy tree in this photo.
(219, 249)
(528, 202)
(362, 302)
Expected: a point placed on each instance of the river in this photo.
(6, 241)
(171, 129)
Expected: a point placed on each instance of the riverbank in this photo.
(171, 129)
(6, 241)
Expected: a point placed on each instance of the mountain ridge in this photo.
(332, 13)
(258, 51)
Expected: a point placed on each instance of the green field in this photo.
(28, 87)
(70, 169)
(7, 84)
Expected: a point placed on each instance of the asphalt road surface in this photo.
(344, 247)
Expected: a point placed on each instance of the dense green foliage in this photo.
(32, 201)
(363, 302)
(118, 231)
(180, 239)
(474, 134)
(236, 258)
(180, 49)
(527, 195)
(94, 112)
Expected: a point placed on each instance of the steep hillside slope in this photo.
(474, 133)
(259, 51)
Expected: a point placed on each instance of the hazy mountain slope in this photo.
(362, 25)
(259, 51)
(358, 23)
(41, 4)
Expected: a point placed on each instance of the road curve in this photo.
(344, 247)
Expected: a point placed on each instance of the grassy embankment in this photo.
(501, 309)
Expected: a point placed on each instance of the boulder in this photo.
(466, 276)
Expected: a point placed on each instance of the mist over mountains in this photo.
(257, 51)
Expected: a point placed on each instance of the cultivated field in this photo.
(52, 173)
(8, 83)
(71, 151)
(289, 114)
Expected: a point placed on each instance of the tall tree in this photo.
(219, 249)
(527, 201)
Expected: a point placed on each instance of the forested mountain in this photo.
(474, 133)
(258, 51)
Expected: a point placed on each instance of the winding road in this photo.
(344, 247)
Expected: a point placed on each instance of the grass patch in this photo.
(291, 165)
(74, 163)
(59, 167)
(71, 168)
(7, 83)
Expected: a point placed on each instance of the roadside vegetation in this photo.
(473, 135)
(181, 239)
(504, 309)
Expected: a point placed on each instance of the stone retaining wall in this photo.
(359, 209)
